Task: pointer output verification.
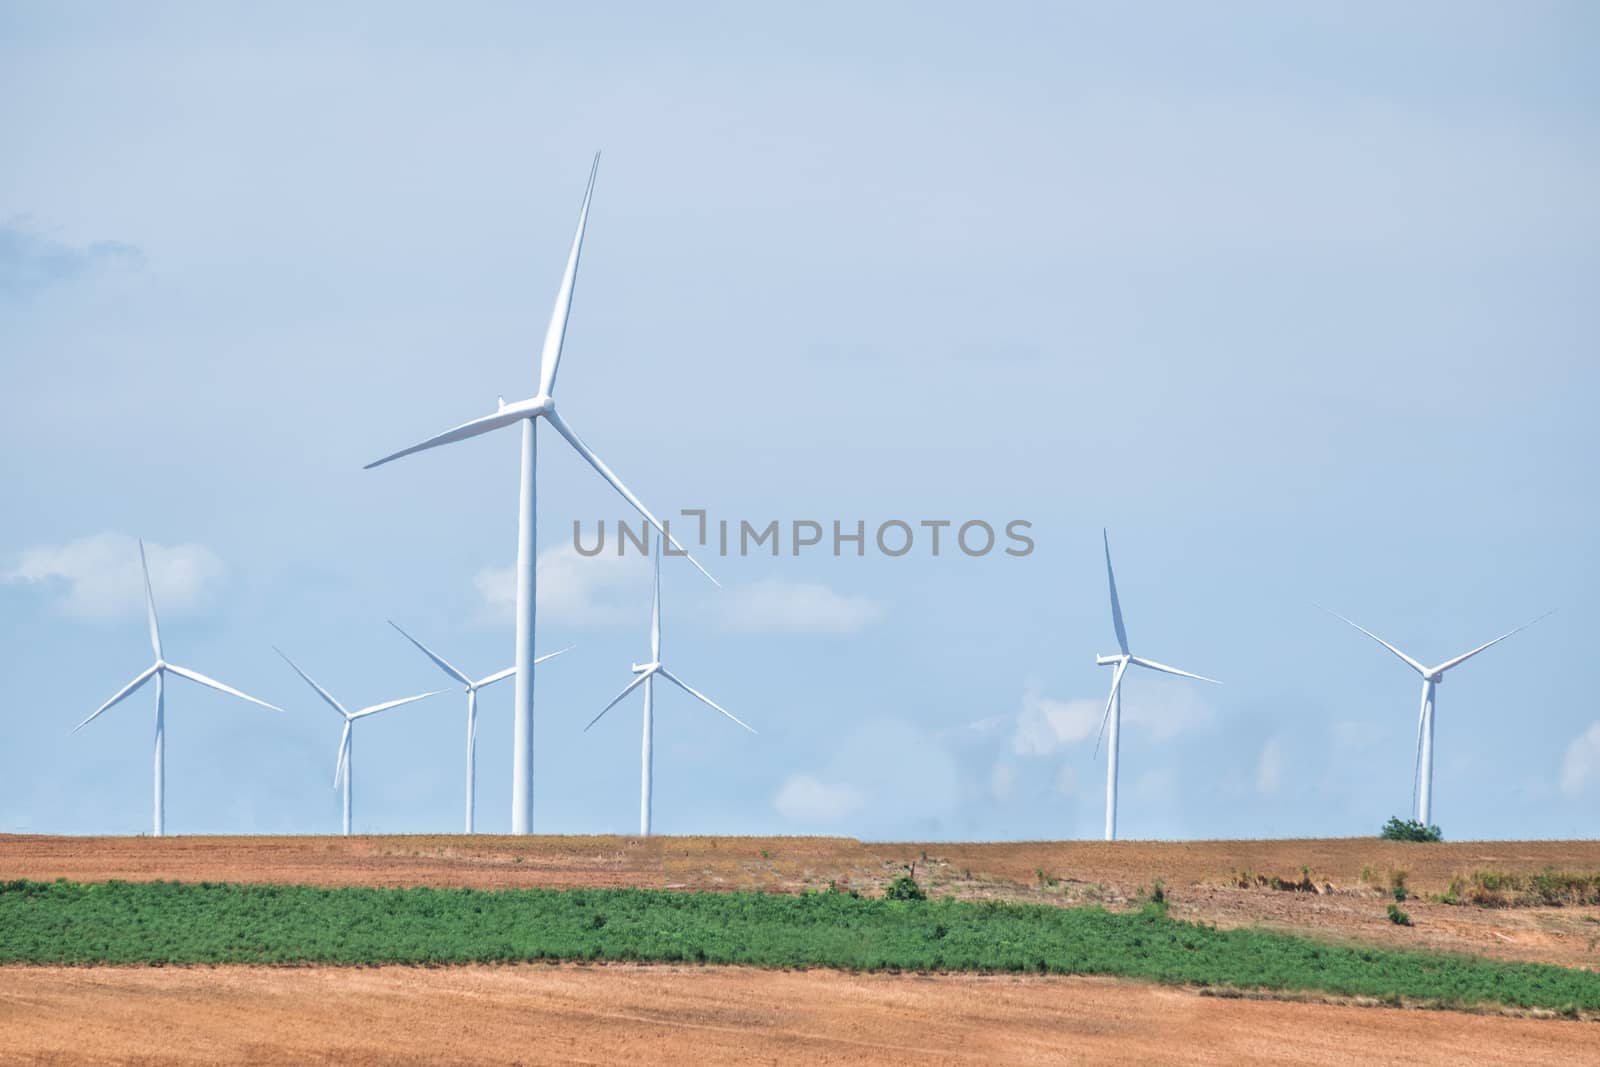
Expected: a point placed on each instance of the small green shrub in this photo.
(1398, 829)
(1398, 917)
(904, 887)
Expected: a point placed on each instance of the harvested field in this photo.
(1201, 877)
(574, 1014)
(777, 863)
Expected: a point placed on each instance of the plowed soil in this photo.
(655, 1015)
(1351, 876)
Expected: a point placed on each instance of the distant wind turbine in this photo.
(645, 674)
(1422, 795)
(158, 671)
(472, 706)
(1113, 713)
(341, 769)
(528, 412)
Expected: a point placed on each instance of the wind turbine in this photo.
(1422, 796)
(158, 671)
(1113, 714)
(528, 412)
(341, 769)
(644, 675)
(472, 706)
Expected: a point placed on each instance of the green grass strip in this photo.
(184, 923)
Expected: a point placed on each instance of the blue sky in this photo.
(1299, 304)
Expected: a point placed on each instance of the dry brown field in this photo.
(724, 1015)
(668, 1014)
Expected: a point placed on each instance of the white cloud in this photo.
(1582, 764)
(602, 590)
(1354, 734)
(1001, 781)
(1160, 709)
(1269, 769)
(1044, 725)
(799, 607)
(888, 774)
(805, 799)
(99, 578)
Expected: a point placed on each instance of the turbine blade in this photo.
(460, 433)
(196, 676)
(630, 687)
(1116, 605)
(1116, 682)
(616, 483)
(150, 603)
(386, 705)
(556, 333)
(341, 766)
(438, 660)
(1153, 665)
(1416, 765)
(122, 694)
(321, 692)
(1447, 664)
(1413, 664)
(707, 701)
(500, 676)
(655, 603)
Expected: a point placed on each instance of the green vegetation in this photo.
(1398, 829)
(1398, 917)
(174, 923)
(904, 887)
(1501, 889)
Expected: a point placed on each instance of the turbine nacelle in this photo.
(646, 668)
(531, 408)
(1109, 661)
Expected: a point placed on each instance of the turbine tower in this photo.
(159, 671)
(644, 675)
(472, 707)
(1113, 714)
(528, 412)
(341, 769)
(1422, 795)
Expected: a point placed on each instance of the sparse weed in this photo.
(1398, 917)
(1549, 887)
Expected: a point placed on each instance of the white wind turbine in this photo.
(528, 412)
(645, 675)
(472, 688)
(1113, 713)
(341, 769)
(1422, 796)
(158, 671)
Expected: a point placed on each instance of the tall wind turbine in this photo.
(644, 675)
(341, 769)
(159, 671)
(472, 706)
(1113, 714)
(1422, 795)
(528, 412)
